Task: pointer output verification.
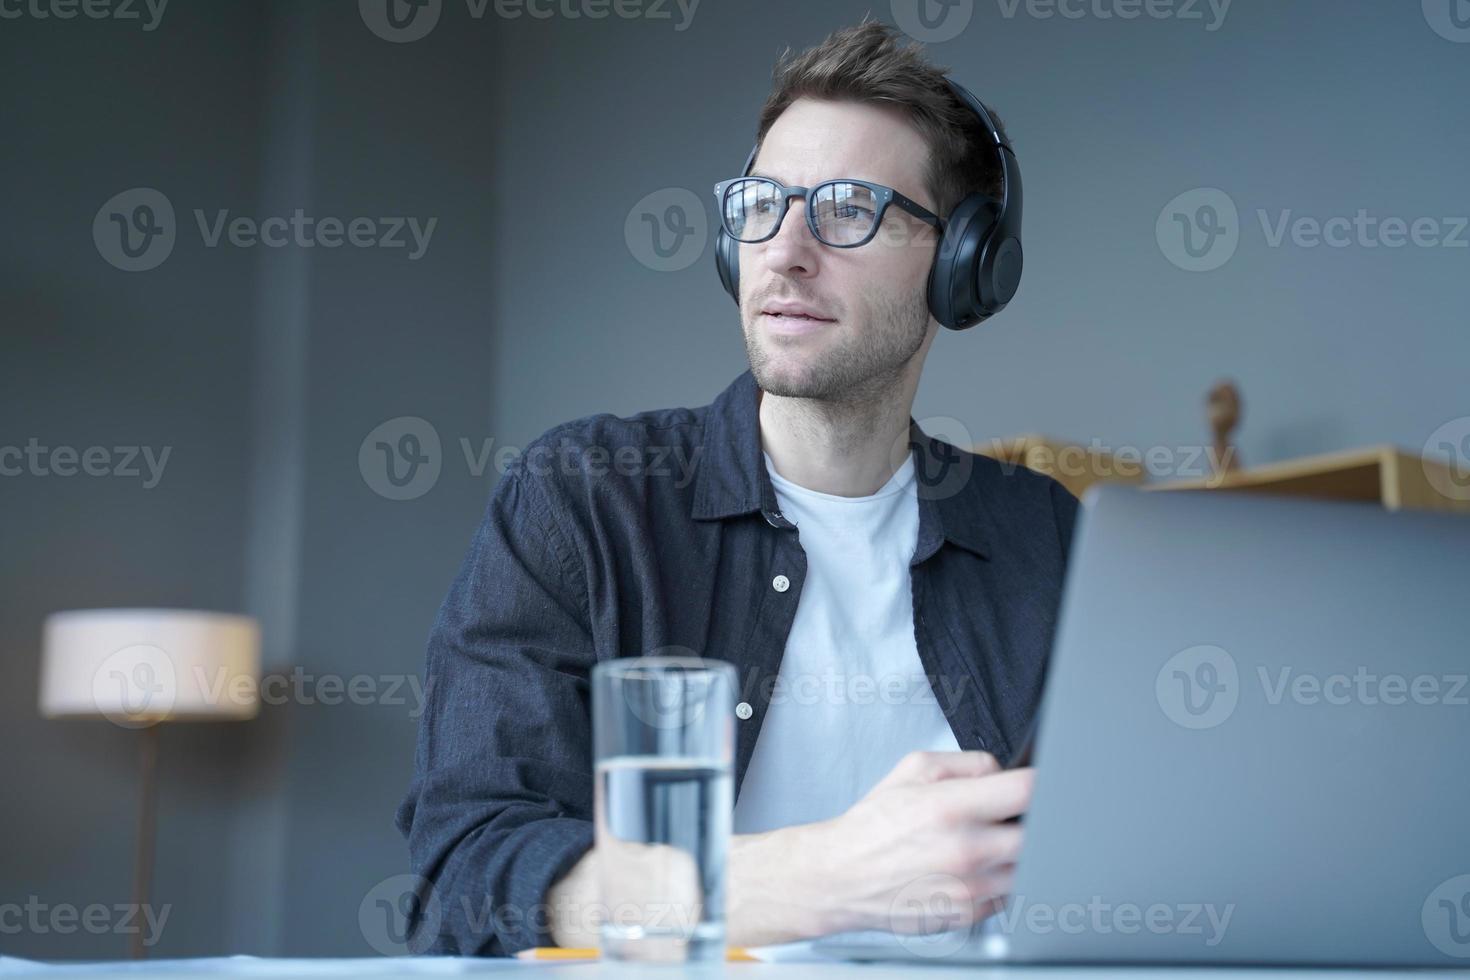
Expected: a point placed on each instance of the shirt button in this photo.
(743, 710)
(780, 583)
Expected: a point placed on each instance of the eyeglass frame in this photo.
(882, 194)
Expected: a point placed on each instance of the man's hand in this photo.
(927, 849)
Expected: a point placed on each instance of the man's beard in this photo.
(856, 369)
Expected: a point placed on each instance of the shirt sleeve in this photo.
(501, 799)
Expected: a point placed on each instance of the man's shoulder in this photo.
(611, 431)
(995, 479)
(604, 446)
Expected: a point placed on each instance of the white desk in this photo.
(287, 969)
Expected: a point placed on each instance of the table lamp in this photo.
(139, 667)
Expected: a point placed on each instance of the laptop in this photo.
(1253, 745)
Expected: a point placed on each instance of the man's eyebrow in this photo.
(762, 173)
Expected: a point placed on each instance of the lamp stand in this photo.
(147, 823)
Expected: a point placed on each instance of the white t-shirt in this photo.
(852, 698)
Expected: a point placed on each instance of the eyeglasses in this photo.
(840, 213)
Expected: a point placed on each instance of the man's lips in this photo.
(794, 313)
(793, 323)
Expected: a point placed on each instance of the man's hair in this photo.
(866, 63)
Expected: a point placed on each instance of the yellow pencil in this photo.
(733, 954)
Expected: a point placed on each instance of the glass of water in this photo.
(664, 739)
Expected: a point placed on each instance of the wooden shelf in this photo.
(1385, 475)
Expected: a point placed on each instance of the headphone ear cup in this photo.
(727, 261)
(1005, 275)
(954, 279)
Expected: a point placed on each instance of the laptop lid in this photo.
(1255, 738)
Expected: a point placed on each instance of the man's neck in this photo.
(847, 448)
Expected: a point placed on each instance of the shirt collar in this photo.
(732, 478)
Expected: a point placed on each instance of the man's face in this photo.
(873, 297)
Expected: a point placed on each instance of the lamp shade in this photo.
(141, 666)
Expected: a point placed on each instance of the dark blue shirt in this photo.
(660, 534)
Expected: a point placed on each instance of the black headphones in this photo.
(977, 267)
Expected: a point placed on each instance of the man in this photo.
(816, 533)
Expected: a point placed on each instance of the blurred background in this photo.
(526, 187)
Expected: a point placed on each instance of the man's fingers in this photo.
(992, 845)
(992, 889)
(984, 799)
(933, 767)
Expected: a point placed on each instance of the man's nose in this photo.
(794, 249)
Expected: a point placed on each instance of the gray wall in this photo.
(531, 141)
